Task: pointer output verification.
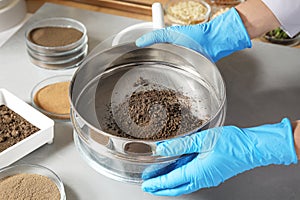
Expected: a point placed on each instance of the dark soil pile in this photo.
(13, 128)
(153, 115)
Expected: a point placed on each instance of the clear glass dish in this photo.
(185, 12)
(34, 169)
(44, 83)
(111, 75)
(56, 22)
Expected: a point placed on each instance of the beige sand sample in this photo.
(54, 98)
(54, 36)
(187, 12)
(28, 186)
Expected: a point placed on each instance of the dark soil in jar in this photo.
(13, 128)
(54, 36)
(154, 114)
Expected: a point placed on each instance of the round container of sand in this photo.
(51, 97)
(57, 43)
(28, 181)
(126, 99)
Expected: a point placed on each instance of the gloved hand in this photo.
(237, 150)
(219, 37)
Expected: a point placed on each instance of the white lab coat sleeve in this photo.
(288, 14)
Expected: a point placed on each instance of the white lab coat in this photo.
(288, 14)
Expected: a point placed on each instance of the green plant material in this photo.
(278, 33)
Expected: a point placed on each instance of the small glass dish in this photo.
(34, 169)
(51, 97)
(56, 22)
(185, 12)
(277, 36)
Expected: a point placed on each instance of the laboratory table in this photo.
(262, 85)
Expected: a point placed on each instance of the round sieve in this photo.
(106, 82)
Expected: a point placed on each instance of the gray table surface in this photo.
(262, 83)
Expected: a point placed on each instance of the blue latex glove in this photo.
(236, 151)
(219, 37)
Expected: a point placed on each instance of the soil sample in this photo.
(13, 128)
(28, 186)
(53, 100)
(54, 36)
(152, 115)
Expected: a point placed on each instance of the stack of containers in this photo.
(56, 43)
(65, 45)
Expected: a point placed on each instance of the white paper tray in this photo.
(32, 142)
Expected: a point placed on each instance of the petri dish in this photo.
(51, 97)
(45, 174)
(185, 12)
